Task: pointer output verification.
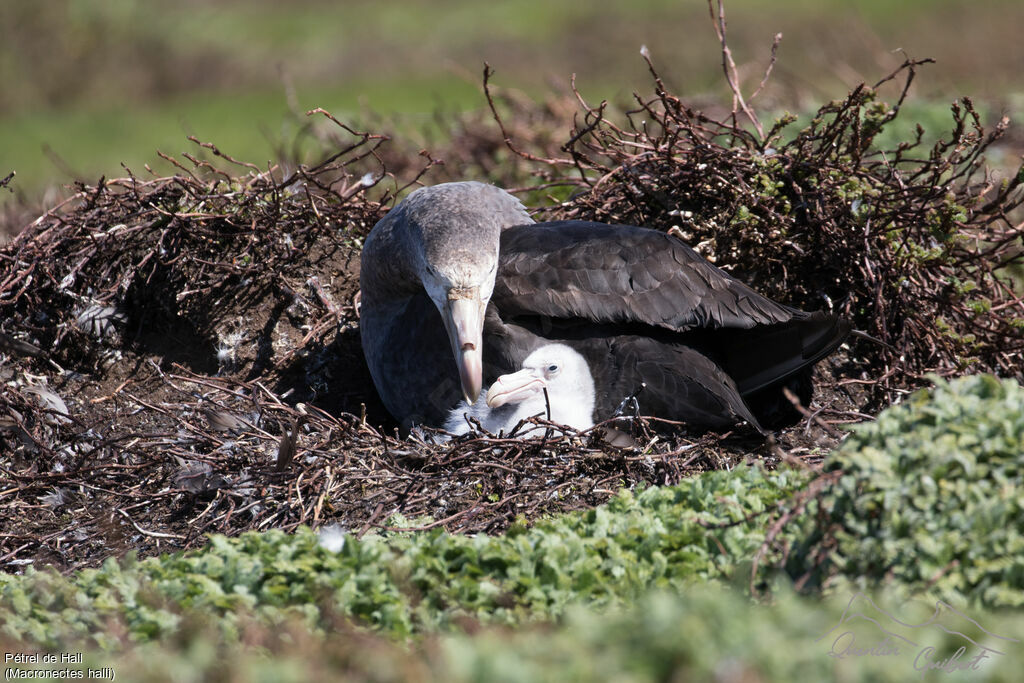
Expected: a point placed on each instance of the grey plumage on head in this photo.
(456, 212)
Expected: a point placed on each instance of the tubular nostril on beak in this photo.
(468, 346)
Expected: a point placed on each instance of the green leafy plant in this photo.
(699, 531)
(929, 498)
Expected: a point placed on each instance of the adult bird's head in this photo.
(456, 229)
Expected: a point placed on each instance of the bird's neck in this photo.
(389, 274)
(574, 408)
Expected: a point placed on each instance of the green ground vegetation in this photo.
(89, 85)
(655, 583)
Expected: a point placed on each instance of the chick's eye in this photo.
(552, 368)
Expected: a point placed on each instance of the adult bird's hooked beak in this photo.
(464, 320)
(516, 387)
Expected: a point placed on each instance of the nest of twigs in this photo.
(921, 246)
(180, 355)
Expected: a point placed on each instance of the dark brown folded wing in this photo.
(616, 273)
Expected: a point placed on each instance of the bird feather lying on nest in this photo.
(459, 286)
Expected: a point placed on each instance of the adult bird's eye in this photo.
(552, 368)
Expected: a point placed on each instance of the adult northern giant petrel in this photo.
(459, 286)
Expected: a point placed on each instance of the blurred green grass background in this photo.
(91, 84)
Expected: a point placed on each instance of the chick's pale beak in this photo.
(515, 388)
(464, 320)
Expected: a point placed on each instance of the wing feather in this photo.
(621, 273)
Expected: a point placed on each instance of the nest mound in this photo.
(181, 354)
